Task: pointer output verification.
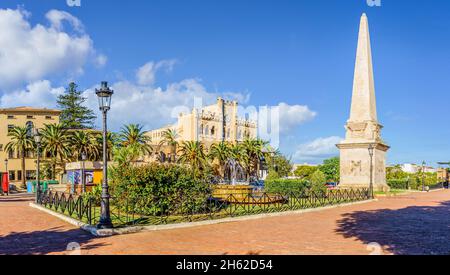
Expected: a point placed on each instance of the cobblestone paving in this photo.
(417, 223)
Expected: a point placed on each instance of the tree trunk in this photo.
(24, 184)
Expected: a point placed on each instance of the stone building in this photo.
(22, 116)
(211, 124)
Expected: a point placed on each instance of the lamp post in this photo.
(371, 153)
(83, 176)
(104, 95)
(37, 139)
(7, 176)
(423, 176)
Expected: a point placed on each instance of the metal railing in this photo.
(132, 211)
(70, 205)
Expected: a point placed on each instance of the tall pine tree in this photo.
(74, 114)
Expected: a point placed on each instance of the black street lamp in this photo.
(104, 95)
(37, 139)
(83, 175)
(371, 153)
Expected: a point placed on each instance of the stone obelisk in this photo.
(363, 129)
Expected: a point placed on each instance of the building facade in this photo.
(211, 124)
(22, 116)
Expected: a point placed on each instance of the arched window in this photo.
(206, 130)
(213, 131)
(30, 127)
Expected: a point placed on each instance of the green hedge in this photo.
(283, 186)
(414, 183)
(158, 189)
(399, 184)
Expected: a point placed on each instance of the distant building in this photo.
(412, 168)
(22, 116)
(211, 124)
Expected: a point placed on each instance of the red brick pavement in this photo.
(417, 223)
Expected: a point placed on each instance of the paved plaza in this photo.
(416, 223)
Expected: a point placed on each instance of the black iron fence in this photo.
(131, 211)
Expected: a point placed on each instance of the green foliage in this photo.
(74, 114)
(285, 186)
(396, 173)
(414, 181)
(273, 175)
(95, 195)
(125, 156)
(402, 184)
(84, 142)
(169, 138)
(282, 165)
(305, 172)
(192, 153)
(159, 189)
(331, 169)
(318, 181)
(21, 142)
(220, 152)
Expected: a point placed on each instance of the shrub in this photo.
(305, 172)
(318, 182)
(273, 175)
(159, 189)
(284, 186)
(399, 184)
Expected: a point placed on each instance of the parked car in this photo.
(331, 185)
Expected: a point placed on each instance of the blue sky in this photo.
(300, 53)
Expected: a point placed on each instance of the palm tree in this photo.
(111, 142)
(124, 156)
(21, 142)
(83, 142)
(221, 152)
(169, 138)
(56, 144)
(254, 151)
(133, 135)
(193, 154)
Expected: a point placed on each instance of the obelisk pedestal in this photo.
(363, 129)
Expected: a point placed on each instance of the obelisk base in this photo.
(355, 166)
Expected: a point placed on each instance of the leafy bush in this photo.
(158, 189)
(399, 184)
(284, 186)
(414, 181)
(305, 172)
(273, 175)
(318, 182)
(331, 169)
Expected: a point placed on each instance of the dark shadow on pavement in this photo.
(416, 230)
(54, 240)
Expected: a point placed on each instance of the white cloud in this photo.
(292, 116)
(320, 148)
(150, 106)
(101, 60)
(146, 74)
(37, 94)
(56, 19)
(31, 53)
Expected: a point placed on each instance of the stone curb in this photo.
(86, 227)
(136, 229)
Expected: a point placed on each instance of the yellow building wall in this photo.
(20, 117)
